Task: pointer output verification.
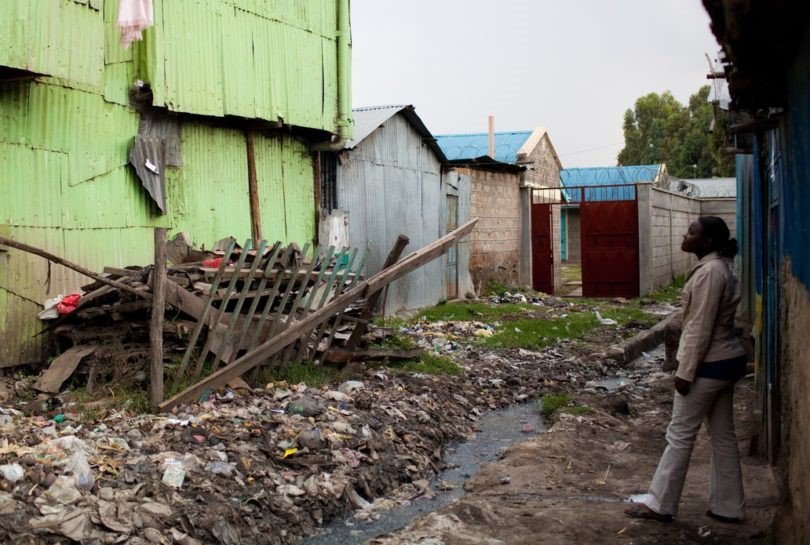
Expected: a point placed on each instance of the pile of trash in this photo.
(241, 295)
(252, 466)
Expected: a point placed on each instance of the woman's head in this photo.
(709, 234)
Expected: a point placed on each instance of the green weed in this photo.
(429, 364)
(551, 403)
(494, 287)
(481, 312)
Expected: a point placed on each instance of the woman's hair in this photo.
(717, 230)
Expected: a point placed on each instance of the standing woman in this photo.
(710, 361)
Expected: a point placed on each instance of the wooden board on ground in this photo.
(61, 368)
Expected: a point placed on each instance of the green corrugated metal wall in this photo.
(65, 182)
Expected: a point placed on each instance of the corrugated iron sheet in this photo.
(474, 145)
(267, 61)
(64, 140)
(390, 184)
(56, 38)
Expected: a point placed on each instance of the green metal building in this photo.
(208, 76)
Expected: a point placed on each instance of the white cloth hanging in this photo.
(133, 17)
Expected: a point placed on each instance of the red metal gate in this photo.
(610, 260)
(542, 249)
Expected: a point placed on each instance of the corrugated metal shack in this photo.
(209, 77)
(388, 181)
(501, 182)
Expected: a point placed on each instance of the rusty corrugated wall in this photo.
(66, 126)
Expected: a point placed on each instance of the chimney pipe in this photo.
(492, 136)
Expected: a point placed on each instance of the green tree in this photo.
(659, 129)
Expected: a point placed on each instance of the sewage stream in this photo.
(498, 430)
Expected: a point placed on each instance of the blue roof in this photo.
(606, 176)
(459, 147)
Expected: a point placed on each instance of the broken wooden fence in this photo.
(325, 319)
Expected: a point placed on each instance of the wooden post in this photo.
(156, 325)
(371, 302)
(253, 190)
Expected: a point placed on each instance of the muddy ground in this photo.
(569, 485)
(257, 470)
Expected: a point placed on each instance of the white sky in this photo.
(573, 66)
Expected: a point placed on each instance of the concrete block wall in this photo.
(671, 216)
(496, 240)
(725, 208)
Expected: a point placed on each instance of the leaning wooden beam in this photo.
(276, 344)
(362, 326)
(78, 268)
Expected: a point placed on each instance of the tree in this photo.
(661, 130)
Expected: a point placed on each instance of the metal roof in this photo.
(575, 177)
(369, 118)
(459, 147)
(606, 176)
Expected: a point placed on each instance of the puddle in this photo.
(613, 383)
(498, 431)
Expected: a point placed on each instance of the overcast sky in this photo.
(573, 66)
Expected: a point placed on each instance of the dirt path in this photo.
(567, 486)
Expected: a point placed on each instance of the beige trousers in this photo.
(711, 400)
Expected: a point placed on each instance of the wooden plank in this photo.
(276, 344)
(61, 368)
(343, 355)
(156, 323)
(362, 326)
(202, 316)
(78, 268)
(221, 320)
(225, 349)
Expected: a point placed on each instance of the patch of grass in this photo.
(471, 312)
(314, 376)
(577, 410)
(551, 403)
(535, 333)
(669, 294)
(430, 364)
(494, 287)
(571, 273)
(397, 341)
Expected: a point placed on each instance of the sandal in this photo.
(721, 518)
(641, 511)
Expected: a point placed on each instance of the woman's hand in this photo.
(682, 386)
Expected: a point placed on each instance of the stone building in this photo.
(500, 197)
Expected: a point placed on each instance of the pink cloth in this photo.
(133, 17)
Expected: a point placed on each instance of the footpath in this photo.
(569, 484)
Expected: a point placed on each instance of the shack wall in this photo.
(390, 184)
(66, 125)
(496, 240)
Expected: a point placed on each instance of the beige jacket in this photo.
(710, 299)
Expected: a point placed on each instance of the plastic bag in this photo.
(12, 472)
(82, 474)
